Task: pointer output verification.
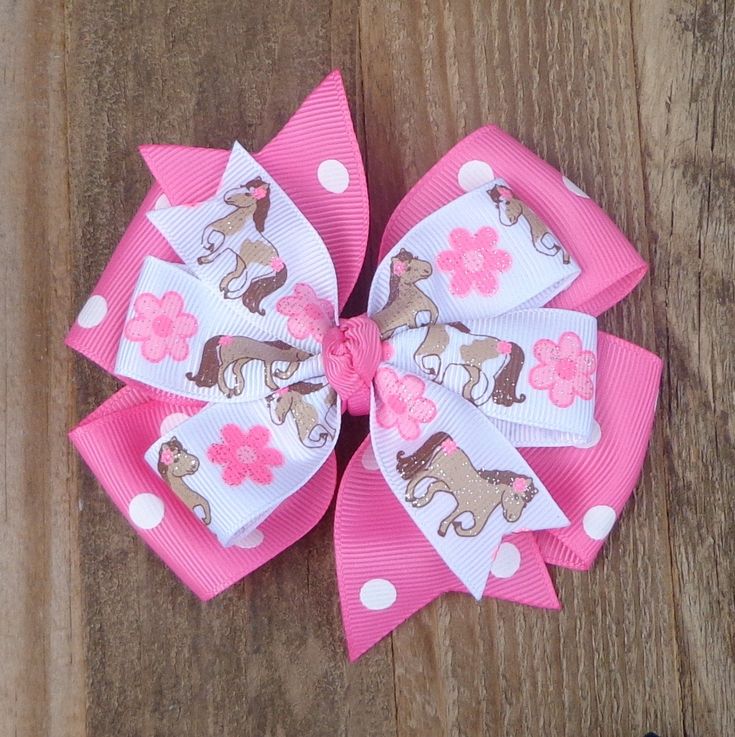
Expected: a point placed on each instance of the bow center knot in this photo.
(352, 351)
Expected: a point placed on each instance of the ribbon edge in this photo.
(80, 438)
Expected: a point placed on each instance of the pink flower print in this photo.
(308, 315)
(474, 261)
(245, 455)
(504, 347)
(161, 326)
(564, 369)
(403, 404)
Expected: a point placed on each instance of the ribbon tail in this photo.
(519, 574)
(592, 485)
(387, 570)
(317, 160)
(123, 428)
(185, 173)
(97, 330)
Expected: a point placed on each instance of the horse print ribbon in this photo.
(506, 432)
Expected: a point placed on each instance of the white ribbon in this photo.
(472, 367)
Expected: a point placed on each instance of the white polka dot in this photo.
(93, 312)
(162, 202)
(507, 561)
(251, 540)
(598, 521)
(171, 421)
(473, 174)
(377, 594)
(369, 463)
(572, 187)
(333, 176)
(593, 439)
(146, 511)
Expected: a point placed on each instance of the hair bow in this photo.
(506, 432)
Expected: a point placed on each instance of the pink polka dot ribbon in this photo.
(506, 432)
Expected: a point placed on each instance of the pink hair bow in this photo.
(506, 432)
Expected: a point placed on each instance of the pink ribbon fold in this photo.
(374, 539)
(591, 485)
(352, 351)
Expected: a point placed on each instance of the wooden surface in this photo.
(633, 101)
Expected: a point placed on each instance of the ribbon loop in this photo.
(180, 337)
(233, 465)
(479, 256)
(532, 372)
(459, 479)
(610, 265)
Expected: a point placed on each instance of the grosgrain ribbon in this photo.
(273, 418)
(538, 391)
(352, 352)
(521, 265)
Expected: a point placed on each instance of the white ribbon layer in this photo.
(226, 358)
(253, 245)
(468, 261)
(234, 464)
(490, 362)
(240, 326)
(462, 483)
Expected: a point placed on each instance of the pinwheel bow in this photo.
(220, 309)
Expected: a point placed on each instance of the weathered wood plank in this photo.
(265, 658)
(686, 76)
(41, 656)
(563, 82)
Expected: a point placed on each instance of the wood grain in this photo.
(41, 650)
(687, 114)
(603, 681)
(632, 101)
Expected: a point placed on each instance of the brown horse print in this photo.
(174, 464)
(313, 431)
(477, 491)
(406, 301)
(235, 352)
(251, 202)
(474, 351)
(511, 210)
